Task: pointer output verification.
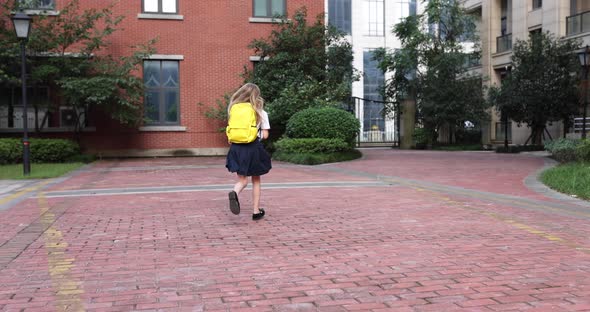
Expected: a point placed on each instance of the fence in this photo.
(380, 122)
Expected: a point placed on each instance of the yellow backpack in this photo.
(241, 127)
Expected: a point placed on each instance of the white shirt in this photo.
(263, 123)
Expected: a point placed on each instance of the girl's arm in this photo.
(264, 134)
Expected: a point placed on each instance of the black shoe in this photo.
(258, 216)
(234, 204)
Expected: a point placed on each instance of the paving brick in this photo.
(409, 246)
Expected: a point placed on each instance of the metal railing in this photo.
(577, 24)
(578, 124)
(504, 43)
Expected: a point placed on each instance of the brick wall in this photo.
(213, 38)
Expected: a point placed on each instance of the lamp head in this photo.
(22, 25)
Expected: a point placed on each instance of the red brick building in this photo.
(202, 49)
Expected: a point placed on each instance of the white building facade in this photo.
(505, 21)
(368, 25)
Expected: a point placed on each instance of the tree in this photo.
(431, 67)
(302, 66)
(67, 54)
(541, 87)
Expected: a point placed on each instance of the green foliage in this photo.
(430, 67)
(313, 151)
(459, 147)
(325, 122)
(301, 66)
(310, 145)
(519, 148)
(468, 136)
(11, 151)
(317, 158)
(540, 87)
(78, 71)
(52, 150)
(583, 151)
(42, 150)
(571, 178)
(563, 150)
(420, 138)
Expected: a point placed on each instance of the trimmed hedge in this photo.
(519, 148)
(310, 145)
(42, 150)
(313, 151)
(323, 122)
(583, 150)
(563, 150)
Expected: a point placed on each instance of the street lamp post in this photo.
(22, 26)
(585, 62)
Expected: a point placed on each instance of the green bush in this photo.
(583, 151)
(313, 151)
(310, 145)
(317, 158)
(531, 148)
(42, 150)
(563, 150)
(420, 138)
(519, 148)
(468, 136)
(11, 151)
(324, 122)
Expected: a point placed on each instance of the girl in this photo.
(249, 159)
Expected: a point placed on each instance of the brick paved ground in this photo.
(404, 231)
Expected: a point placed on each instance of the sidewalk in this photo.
(393, 231)
(13, 190)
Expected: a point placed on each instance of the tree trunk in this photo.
(537, 135)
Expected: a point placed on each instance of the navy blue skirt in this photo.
(249, 159)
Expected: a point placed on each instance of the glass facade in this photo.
(339, 14)
(373, 82)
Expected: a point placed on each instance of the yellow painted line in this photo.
(481, 196)
(509, 221)
(23, 192)
(67, 288)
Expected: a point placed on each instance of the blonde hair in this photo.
(248, 93)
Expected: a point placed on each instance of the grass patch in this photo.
(38, 171)
(462, 147)
(570, 178)
(317, 158)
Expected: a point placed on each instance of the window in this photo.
(269, 8)
(162, 94)
(413, 8)
(376, 18)
(37, 4)
(339, 14)
(373, 82)
(160, 6)
(537, 4)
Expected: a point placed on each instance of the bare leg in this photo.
(241, 184)
(256, 193)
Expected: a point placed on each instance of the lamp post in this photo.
(585, 62)
(22, 26)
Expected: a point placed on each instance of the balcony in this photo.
(504, 43)
(577, 24)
